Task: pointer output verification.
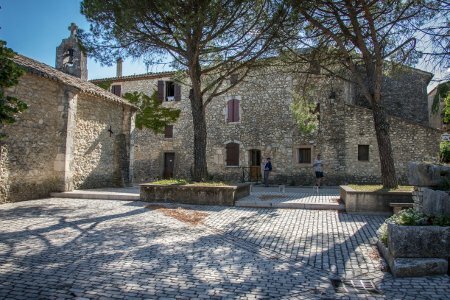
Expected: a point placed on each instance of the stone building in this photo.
(73, 135)
(436, 119)
(254, 121)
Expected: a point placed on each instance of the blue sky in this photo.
(35, 28)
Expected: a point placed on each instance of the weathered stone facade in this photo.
(61, 141)
(404, 95)
(267, 125)
(99, 142)
(70, 58)
(30, 166)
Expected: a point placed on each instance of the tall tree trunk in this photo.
(388, 176)
(198, 117)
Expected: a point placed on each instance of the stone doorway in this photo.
(255, 164)
(169, 161)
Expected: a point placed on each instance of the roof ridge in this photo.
(84, 86)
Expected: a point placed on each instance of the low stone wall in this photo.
(192, 194)
(412, 267)
(417, 250)
(416, 241)
(372, 202)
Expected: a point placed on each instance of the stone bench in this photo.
(399, 206)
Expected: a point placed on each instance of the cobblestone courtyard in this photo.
(92, 249)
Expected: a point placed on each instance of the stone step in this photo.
(97, 195)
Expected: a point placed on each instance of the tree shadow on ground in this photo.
(138, 252)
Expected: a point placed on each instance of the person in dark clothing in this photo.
(267, 170)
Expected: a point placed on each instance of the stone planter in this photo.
(193, 194)
(376, 203)
(419, 241)
(417, 250)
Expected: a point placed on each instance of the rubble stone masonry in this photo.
(267, 124)
(32, 157)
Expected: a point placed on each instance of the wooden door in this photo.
(255, 165)
(169, 160)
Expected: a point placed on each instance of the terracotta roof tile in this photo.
(136, 76)
(46, 71)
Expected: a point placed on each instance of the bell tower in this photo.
(69, 57)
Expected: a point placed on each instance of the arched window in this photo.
(232, 155)
(68, 57)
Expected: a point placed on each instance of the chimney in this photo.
(119, 67)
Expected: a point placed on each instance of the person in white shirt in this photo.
(318, 169)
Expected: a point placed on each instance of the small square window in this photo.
(116, 90)
(304, 155)
(363, 152)
(168, 131)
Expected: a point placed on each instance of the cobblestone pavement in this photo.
(293, 198)
(100, 249)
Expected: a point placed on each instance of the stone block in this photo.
(372, 202)
(419, 241)
(194, 194)
(423, 174)
(435, 203)
(412, 267)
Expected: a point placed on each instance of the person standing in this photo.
(318, 169)
(267, 170)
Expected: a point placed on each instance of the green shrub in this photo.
(444, 152)
(410, 217)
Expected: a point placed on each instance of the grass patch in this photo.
(171, 182)
(379, 188)
(185, 182)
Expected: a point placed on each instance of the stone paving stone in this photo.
(101, 249)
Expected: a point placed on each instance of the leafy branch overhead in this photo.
(151, 113)
(306, 113)
(10, 106)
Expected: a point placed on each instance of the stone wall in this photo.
(31, 156)
(404, 94)
(267, 124)
(99, 154)
(149, 148)
(344, 127)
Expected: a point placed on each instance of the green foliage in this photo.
(444, 152)
(171, 182)
(10, 106)
(411, 217)
(105, 84)
(176, 181)
(151, 113)
(442, 90)
(446, 111)
(306, 113)
(382, 233)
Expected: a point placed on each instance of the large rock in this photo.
(419, 241)
(423, 174)
(410, 267)
(435, 203)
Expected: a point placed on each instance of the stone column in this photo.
(72, 103)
